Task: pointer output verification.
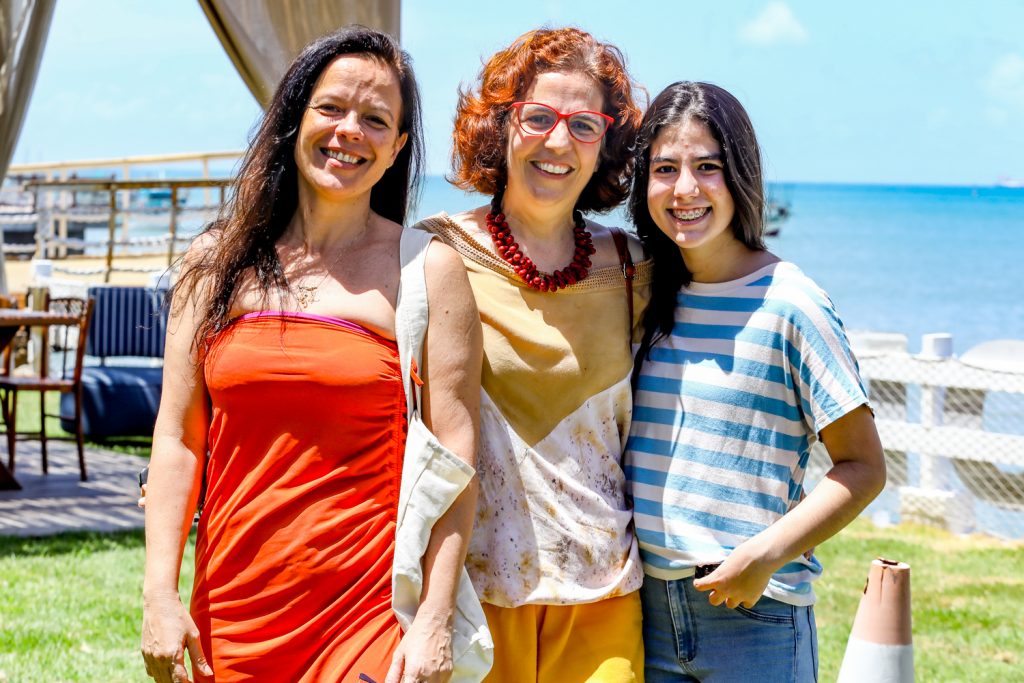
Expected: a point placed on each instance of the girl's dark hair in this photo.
(730, 126)
(265, 192)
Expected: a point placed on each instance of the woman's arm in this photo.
(451, 406)
(856, 477)
(175, 470)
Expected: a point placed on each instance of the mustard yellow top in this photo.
(552, 522)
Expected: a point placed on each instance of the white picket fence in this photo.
(952, 429)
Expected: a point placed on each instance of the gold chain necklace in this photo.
(305, 295)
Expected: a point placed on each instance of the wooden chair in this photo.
(69, 382)
(7, 301)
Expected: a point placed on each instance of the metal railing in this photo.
(60, 170)
(953, 433)
(53, 217)
(41, 207)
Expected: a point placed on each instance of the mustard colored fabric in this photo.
(552, 524)
(600, 642)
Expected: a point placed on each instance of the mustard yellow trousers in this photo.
(597, 642)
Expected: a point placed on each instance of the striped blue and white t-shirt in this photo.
(726, 411)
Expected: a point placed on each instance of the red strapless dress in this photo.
(296, 541)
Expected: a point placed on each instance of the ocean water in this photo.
(905, 259)
(912, 260)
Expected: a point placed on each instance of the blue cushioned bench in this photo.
(120, 384)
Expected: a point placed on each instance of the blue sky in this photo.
(878, 92)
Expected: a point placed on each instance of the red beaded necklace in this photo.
(509, 250)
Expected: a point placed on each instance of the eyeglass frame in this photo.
(559, 117)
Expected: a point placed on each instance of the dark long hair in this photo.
(730, 126)
(266, 191)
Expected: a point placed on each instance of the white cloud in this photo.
(775, 25)
(1005, 81)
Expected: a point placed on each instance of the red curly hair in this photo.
(481, 120)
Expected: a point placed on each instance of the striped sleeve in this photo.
(824, 369)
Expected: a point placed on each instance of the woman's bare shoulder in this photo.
(203, 247)
(604, 233)
(471, 221)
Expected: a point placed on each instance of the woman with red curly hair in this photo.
(547, 133)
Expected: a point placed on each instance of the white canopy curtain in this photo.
(23, 28)
(262, 37)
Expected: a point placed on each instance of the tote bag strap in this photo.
(411, 314)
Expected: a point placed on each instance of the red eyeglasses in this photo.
(535, 118)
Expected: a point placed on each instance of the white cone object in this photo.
(880, 649)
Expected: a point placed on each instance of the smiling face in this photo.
(553, 169)
(349, 132)
(687, 194)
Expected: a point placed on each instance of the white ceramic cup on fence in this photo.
(936, 346)
(41, 269)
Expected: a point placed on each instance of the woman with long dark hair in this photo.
(744, 364)
(282, 364)
(546, 134)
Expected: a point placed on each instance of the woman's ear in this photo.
(399, 144)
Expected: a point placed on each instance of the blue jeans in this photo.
(686, 638)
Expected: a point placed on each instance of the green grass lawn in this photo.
(70, 606)
(967, 597)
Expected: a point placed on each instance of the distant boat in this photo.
(1014, 183)
(160, 198)
(778, 212)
